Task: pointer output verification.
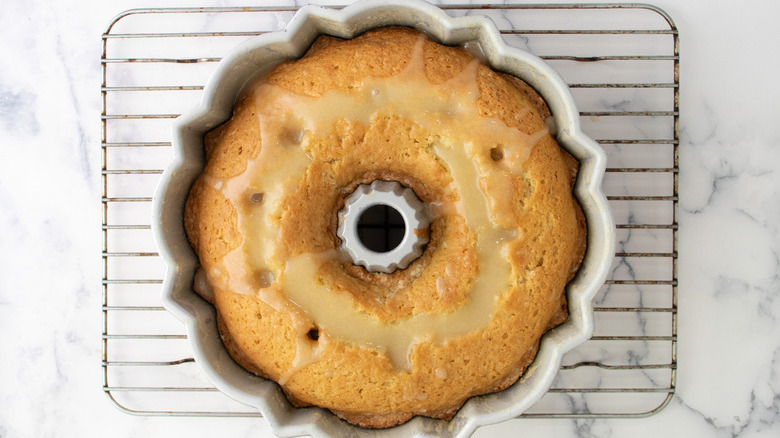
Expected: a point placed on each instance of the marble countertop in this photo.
(728, 381)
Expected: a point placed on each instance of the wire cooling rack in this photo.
(622, 64)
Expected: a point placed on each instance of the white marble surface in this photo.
(50, 296)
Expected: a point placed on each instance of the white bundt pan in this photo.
(262, 54)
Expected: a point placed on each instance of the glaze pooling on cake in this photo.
(478, 259)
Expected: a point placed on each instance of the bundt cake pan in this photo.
(263, 53)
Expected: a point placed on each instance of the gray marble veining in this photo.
(729, 334)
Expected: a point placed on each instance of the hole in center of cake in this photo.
(381, 228)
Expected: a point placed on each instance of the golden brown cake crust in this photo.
(361, 384)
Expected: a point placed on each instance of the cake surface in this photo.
(463, 319)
